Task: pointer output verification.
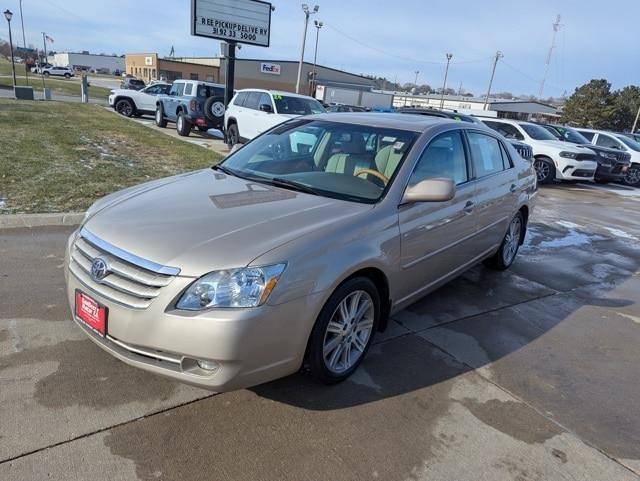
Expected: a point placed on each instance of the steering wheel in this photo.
(375, 173)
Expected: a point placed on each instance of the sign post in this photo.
(234, 22)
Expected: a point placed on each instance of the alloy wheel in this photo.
(512, 240)
(125, 109)
(348, 332)
(632, 177)
(542, 170)
(180, 122)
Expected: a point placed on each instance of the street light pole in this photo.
(415, 82)
(24, 45)
(498, 56)
(444, 85)
(315, 55)
(24, 42)
(8, 14)
(307, 13)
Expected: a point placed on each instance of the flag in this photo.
(48, 39)
(173, 52)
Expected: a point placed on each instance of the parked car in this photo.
(345, 108)
(621, 143)
(553, 159)
(65, 72)
(39, 66)
(137, 102)
(612, 164)
(523, 149)
(254, 111)
(191, 103)
(635, 137)
(132, 83)
(296, 249)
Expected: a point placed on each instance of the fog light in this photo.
(208, 365)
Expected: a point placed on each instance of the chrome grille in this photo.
(131, 281)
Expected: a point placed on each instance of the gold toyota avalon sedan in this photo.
(293, 252)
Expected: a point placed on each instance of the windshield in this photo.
(571, 135)
(633, 145)
(345, 161)
(297, 105)
(537, 133)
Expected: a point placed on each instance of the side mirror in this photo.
(266, 108)
(430, 190)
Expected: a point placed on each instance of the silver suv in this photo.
(296, 249)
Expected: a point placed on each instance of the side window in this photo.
(253, 100)
(188, 88)
(240, 99)
(606, 141)
(509, 131)
(444, 157)
(486, 154)
(507, 163)
(589, 135)
(265, 99)
(152, 90)
(177, 89)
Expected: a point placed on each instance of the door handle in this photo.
(512, 189)
(468, 207)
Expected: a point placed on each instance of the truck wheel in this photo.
(214, 110)
(183, 126)
(125, 107)
(233, 137)
(160, 120)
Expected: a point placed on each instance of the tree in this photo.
(626, 103)
(591, 105)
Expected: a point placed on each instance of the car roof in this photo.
(186, 80)
(277, 92)
(415, 123)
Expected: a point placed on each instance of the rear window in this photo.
(206, 91)
(136, 82)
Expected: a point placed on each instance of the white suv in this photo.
(618, 142)
(253, 111)
(130, 102)
(553, 159)
(65, 72)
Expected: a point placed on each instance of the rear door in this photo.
(265, 120)
(248, 121)
(437, 238)
(496, 188)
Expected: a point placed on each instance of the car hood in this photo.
(566, 146)
(208, 220)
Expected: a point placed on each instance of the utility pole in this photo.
(315, 55)
(498, 56)
(635, 122)
(556, 27)
(415, 82)
(307, 13)
(46, 58)
(444, 85)
(24, 45)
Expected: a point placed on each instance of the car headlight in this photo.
(568, 155)
(244, 287)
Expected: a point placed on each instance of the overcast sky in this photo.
(390, 38)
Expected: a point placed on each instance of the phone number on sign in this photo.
(225, 32)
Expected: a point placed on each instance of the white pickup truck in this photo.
(129, 102)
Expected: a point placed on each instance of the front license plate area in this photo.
(91, 313)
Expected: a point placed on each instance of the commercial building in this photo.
(509, 109)
(249, 73)
(86, 61)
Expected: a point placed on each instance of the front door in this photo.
(437, 237)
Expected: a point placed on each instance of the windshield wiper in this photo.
(224, 169)
(281, 182)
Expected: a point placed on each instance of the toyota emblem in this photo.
(99, 269)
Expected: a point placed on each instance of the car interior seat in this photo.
(352, 157)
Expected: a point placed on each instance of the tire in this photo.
(545, 170)
(125, 107)
(337, 345)
(233, 135)
(160, 120)
(67, 76)
(632, 176)
(46, 74)
(214, 110)
(508, 250)
(183, 126)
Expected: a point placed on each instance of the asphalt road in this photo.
(530, 374)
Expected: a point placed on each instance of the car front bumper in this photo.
(576, 170)
(248, 346)
(612, 172)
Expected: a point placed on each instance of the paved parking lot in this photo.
(530, 374)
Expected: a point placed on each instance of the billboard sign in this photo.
(270, 68)
(240, 21)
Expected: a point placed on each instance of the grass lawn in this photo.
(60, 157)
(57, 86)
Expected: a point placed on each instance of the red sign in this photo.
(91, 313)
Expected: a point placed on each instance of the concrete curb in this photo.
(12, 221)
